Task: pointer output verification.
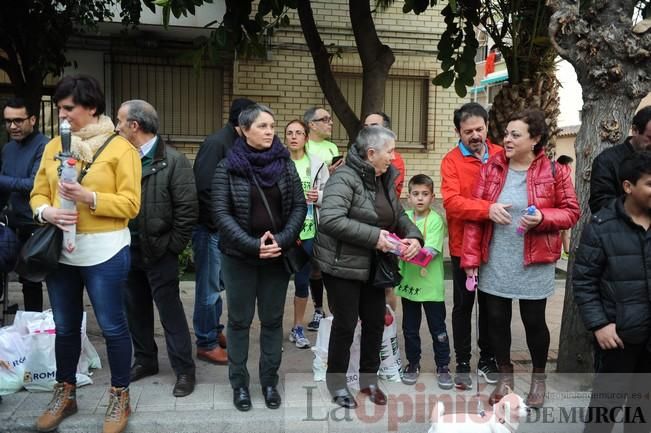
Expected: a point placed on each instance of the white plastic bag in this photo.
(12, 360)
(40, 363)
(320, 349)
(389, 352)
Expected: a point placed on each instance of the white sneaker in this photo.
(297, 337)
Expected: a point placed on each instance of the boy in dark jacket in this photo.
(612, 288)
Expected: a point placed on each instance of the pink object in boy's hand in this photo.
(422, 258)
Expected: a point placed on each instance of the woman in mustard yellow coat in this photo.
(106, 199)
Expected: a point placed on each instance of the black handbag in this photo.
(295, 258)
(385, 272)
(40, 254)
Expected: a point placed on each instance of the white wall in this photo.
(204, 14)
(88, 62)
(570, 95)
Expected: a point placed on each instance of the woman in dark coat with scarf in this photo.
(254, 237)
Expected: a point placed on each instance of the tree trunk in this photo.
(541, 91)
(575, 352)
(611, 63)
(321, 59)
(376, 57)
(376, 60)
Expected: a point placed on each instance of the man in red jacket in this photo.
(459, 171)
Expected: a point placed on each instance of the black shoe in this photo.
(488, 370)
(462, 379)
(138, 371)
(242, 399)
(344, 398)
(184, 385)
(375, 394)
(271, 397)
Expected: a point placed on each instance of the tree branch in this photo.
(321, 59)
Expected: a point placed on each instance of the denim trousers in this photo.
(106, 284)
(302, 278)
(207, 300)
(251, 282)
(157, 283)
(411, 319)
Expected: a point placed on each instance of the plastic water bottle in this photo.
(310, 211)
(69, 175)
(528, 211)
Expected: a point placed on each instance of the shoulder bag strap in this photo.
(265, 202)
(85, 169)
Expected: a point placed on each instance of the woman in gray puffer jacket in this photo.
(360, 208)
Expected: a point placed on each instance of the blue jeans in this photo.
(207, 300)
(411, 318)
(302, 278)
(106, 284)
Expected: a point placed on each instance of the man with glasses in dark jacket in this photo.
(21, 158)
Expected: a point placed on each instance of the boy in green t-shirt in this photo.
(424, 289)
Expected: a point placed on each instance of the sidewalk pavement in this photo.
(306, 404)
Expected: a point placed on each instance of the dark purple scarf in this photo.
(267, 165)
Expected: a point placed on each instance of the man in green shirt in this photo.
(319, 123)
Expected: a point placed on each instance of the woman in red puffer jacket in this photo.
(514, 259)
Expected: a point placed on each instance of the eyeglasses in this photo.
(326, 119)
(17, 121)
(297, 133)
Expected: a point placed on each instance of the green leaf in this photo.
(460, 88)
(444, 79)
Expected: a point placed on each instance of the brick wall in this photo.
(287, 83)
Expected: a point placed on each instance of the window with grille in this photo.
(405, 101)
(188, 100)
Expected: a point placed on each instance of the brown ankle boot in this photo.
(62, 405)
(504, 384)
(118, 411)
(537, 391)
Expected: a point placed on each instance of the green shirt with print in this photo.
(324, 150)
(425, 284)
(303, 168)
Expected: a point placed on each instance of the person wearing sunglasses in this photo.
(21, 157)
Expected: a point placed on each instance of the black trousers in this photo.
(498, 319)
(622, 378)
(349, 300)
(464, 302)
(157, 283)
(248, 283)
(32, 291)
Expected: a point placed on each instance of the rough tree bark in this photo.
(376, 57)
(376, 61)
(611, 63)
